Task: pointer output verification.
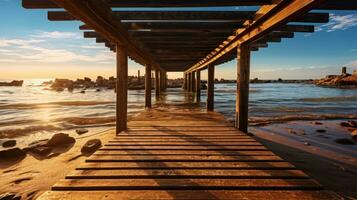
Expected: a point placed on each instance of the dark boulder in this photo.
(9, 143)
(60, 139)
(40, 150)
(344, 124)
(91, 146)
(354, 135)
(344, 141)
(321, 130)
(12, 154)
(10, 196)
(81, 131)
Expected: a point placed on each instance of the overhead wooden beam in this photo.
(186, 16)
(40, 4)
(268, 19)
(338, 5)
(96, 14)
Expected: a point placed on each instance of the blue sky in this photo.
(33, 47)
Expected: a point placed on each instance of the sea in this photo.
(34, 112)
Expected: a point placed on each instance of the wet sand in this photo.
(333, 165)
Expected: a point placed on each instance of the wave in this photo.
(17, 132)
(87, 121)
(53, 104)
(256, 121)
(330, 99)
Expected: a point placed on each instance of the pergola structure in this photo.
(189, 40)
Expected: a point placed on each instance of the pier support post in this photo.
(157, 82)
(148, 86)
(184, 84)
(193, 81)
(242, 95)
(162, 80)
(121, 89)
(210, 88)
(189, 85)
(198, 86)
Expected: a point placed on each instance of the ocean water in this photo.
(33, 111)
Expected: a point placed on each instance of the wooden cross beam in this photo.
(268, 19)
(41, 4)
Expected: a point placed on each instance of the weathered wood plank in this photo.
(192, 195)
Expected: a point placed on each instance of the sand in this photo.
(333, 165)
(33, 176)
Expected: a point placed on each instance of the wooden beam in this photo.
(210, 88)
(193, 81)
(198, 86)
(96, 14)
(242, 95)
(338, 5)
(184, 86)
(148, 86)
(40, 4)
(143, 18)
(269, 18)
(189, 85)
(121, 89)
(157, 82)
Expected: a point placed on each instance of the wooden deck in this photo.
(185, 155)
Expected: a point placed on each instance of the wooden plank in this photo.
(218, 148)
(36, 4)
(203, 139)
(193, 195)
(184, 143)
(186, 173)
(185, 152)
(186, 165)
(187, 184)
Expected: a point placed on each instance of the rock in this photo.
(344, 141)
(321, 130)
(10, 196)
(344, 124)
(60, 139)
(317, 123)
(354, 135)
(292, 132)
(83, 91)
(307, 144)
(352, 123)
(13, 83)
(81, 131)
(12, 154)
(41, 150)
(9, 143)
(98, 90)
(91, 146)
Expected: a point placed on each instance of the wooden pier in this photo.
(185, 155)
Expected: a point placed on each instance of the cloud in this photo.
(57, 35)
(339, 22)
(18, 42)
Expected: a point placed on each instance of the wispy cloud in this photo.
(56, 35)
(43, 47)
(339, 22)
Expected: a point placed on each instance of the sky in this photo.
(33, 47)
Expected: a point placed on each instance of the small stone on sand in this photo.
(321, 130)
(352, 123)
(12, 154)
(344, 124)
(317, 123)
(307, 144)
(354, 135)
(60, 139)
(81, 131)
(9, 143)
(344, 141)
(91, 146)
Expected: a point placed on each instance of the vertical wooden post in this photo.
(148, 86)
(184, 84)
(198, 86)
(121, 89)
(139, 76)
(189, 82)
(166, 80)
(193, 81)
(157, 82)
(210, 88)
(242, 96)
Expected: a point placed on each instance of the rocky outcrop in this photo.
(14, 83)
(343, 80)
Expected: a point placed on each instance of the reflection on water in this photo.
(32, 109)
